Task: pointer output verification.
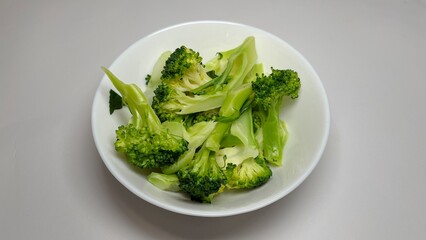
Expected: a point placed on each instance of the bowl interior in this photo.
(307, 118)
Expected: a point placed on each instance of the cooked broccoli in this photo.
(209, 115)
(154, 79)
(251, 173)
(203, 178)
(144, 140)
(195, 135)
(231, 67)
(167, 182)
(269, 91)
(245, 167)
(173, 105)
(208, 127)
(177, 97)
(184, 70)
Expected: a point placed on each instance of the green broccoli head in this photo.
(251, 173)
(146, 149)
(164, 96)
(203, 178)
(269, 89)
(144, 140)
(184, 70)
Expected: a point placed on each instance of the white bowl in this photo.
(307, 118)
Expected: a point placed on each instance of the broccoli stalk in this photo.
(144, 140)
(269, 92)
(167, 182)
(195, 135)
(232, 66)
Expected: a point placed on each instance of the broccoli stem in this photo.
(142, 113)
(213, 141)
(240, 61)
(234, 100)
(275, 130)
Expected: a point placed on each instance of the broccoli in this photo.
(203, 178)
(230, 67)
(205, 116)
(195, 135)
(181, 94)
(208, 127)
(154, 79)
(144, 140)
(171, 104)
(249, 174)
(167, 182)
(244, 166)
(269, 91)
(184, 70)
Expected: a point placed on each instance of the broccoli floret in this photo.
(269, 91)
(245, 168)
(202, 179)
(175, 96)
(144, 140)
(251, 173)
(184, 70)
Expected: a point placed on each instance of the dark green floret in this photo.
(203, 178)
(271, 88)
(184, 70)
(144, 141)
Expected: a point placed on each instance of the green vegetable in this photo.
(166, 182)
(186, 89)
(249, 174)
(201, 128)
(144, 141)
(269, 91)
(245, 167)
(202, 179)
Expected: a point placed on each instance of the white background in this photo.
(369, 184)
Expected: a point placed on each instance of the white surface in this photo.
(369, 184)
(307, 118)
